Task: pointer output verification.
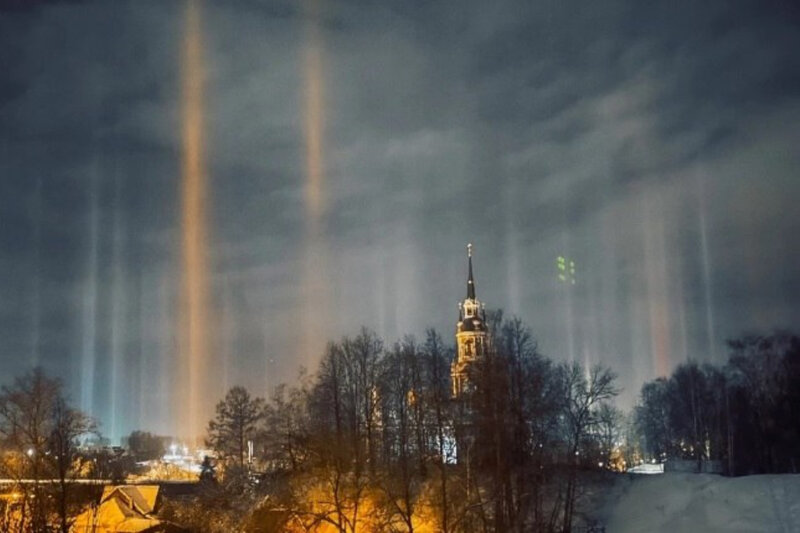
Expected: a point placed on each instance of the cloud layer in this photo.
(654, 145)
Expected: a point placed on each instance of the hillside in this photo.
(677, 502)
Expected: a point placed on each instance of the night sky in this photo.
(655, 145)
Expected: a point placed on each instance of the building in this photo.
(472, 339)
(125, 508)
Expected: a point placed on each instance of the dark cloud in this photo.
(31, 5)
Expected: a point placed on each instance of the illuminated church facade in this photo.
(472, 339)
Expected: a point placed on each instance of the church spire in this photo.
(472, 340)
(470, 280)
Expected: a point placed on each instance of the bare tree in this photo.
(438, 401)
(40, 432)
(582, 395)
(361, 356)
(406, 448)
(761, 372)
(68, 425)
(344, 424)
(285, 432)
(652, 418)
(609, 430)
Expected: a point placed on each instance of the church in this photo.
(472, 340)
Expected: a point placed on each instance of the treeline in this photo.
(745, 414)
(373, 440)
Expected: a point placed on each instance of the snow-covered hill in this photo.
(677, 503)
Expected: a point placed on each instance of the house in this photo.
(124, 509)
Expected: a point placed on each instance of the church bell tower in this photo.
(471, 336)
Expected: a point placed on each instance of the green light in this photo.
(566, 270)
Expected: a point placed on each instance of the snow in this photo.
(680, 502)
(647, 468)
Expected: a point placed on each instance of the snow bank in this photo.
(647, 468)
(677, 502)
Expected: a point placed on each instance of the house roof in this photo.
(140, 498)
(125, 509)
